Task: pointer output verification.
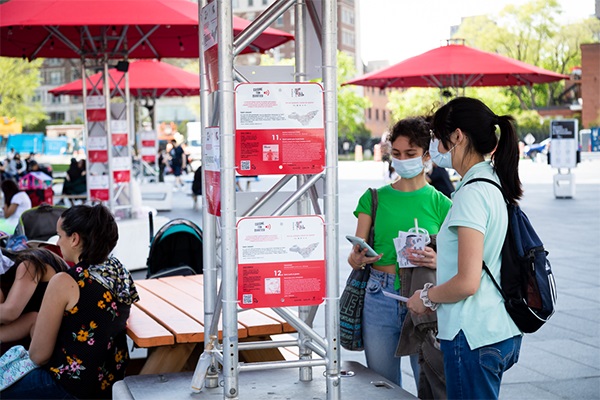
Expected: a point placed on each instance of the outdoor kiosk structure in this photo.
(219, 111)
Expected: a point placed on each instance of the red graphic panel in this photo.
(148, 143)
(213, 192)
(119, 139)
(149, 158)
(121, 176)
(98, 115)
(272, 152)
(281, 284)
(99, 194)
(98, 156)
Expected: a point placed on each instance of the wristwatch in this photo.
(425, 297)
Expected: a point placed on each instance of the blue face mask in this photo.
(408, 168)
(443, 160)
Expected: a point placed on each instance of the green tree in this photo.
(18, 81)
(531, 33)
(351, 106)
(413, 101)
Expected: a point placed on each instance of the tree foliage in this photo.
(530, 33)
(351, 106)
(18, 81)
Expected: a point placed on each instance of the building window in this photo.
(347, 16)
(54, 62)
(250, 3)
(369, 113)
(56, 77)
(377, 114)
(383, 115)
(279, 21)
(265, 2)
(347, 38)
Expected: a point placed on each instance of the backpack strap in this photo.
(485, 267)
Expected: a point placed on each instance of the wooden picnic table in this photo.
(169, 321)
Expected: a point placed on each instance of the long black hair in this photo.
(9, 189)
(478, 123)
(97, 229)
(40, 259)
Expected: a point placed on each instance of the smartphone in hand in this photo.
(363, 245)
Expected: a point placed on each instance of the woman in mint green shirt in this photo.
(477, 336)
(399, 203)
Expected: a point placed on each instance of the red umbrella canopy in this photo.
(133, 28)
(457, 66)
(147, 78)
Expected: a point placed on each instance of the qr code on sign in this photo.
(247, 299)
(245, 165)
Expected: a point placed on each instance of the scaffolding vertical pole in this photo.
(209, 235)
(109, 145)
(228, 211)
(305, 373)
(329, 48)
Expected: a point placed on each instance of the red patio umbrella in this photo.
(132, 28)
(457, 66)
(147, 78)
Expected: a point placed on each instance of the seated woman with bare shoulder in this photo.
(29, 277)
(79, 338)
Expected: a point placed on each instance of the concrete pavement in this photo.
(562, 360)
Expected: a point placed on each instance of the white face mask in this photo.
(443, 160)
(408, 168)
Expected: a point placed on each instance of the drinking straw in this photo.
(416, 226)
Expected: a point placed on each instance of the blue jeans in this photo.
(382, 323)
(38, 384)
(476, 374)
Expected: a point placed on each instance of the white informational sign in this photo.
(97, 143)
(279, 106)
(280, 128)
(564, 143)
(281, 261)
(98, 181)
(121, 163)
(211, 161)
(95, 102)
(118, 126)
(209, 26)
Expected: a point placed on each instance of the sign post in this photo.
(563, 155)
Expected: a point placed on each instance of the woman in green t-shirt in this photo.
(399, 203)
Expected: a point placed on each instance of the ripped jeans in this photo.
(382, 323)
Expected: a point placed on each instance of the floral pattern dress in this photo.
(91, 353)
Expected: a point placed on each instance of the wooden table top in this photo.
(171, 311)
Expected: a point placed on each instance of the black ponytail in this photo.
(506, 159)
(478, 123)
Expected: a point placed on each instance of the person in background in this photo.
(162, 164)
(75, 179)
(197, 186)
(15, 203)
(30, 274)
(479, 339)
(79, 339)
(399, 203)
(439, 179)
(178, 162)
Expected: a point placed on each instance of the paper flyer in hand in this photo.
(405, 243)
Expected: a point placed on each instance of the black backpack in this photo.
(526, 279)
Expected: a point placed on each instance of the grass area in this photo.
(60, 167)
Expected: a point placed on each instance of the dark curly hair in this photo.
(97, 229)
(416, 129)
